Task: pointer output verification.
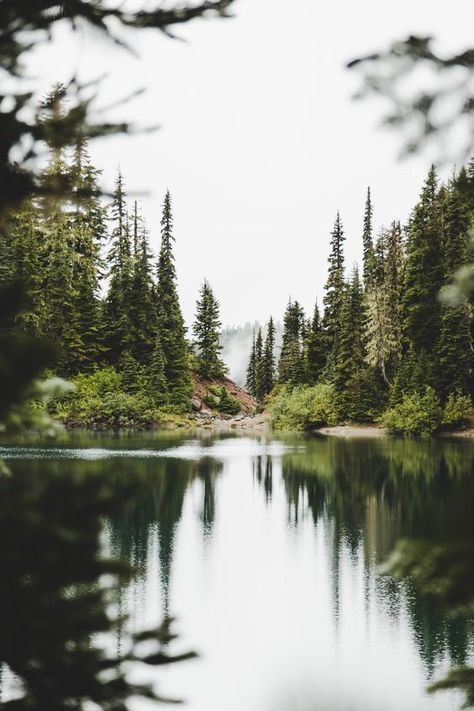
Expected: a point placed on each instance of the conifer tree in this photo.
(207, 329)
(24, 260)
(259, 367)
(251, 381)
(170, 319)
(291, 363)
(424, 269)
(268, 364)
(334, 292)
(315, 348)
(351, 350)
(88, 230)
(156, 376)
(368, 243)
(142, 308)
(383, 306)
(119, 336)
(455, 348)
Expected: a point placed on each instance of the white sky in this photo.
(260, 141)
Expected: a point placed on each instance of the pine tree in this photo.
(170, 319)
(383, 306)
(142, 308)
(291, 363)
(119, 336)
(207, 329)
(259, 367)
(131, 371)
(351, 350)
(455, 348)
(334, 292)
(368, 243)
(251, 381)
(26, 262)
(315, 348)
(88, 230)
(268, 364)
(156, 376)
(424, 269)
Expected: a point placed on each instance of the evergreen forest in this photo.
(390, 343)
(384, 347)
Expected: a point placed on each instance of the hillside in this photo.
(201, 388)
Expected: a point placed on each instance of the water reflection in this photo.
(268, 553)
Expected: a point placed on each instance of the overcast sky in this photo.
(260, 142)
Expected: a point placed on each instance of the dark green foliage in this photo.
(259, 367)
(131, 372)
(267, 374)
(22, 357)
(251, 382)
(291, 364)
(315, 348)
(368, 243)
(454, 349)
(423, 269)
(118, 322)
(207, 327)
(170, 319)
(350, 357)
(143, 317)
(334, 291)
(156, 377)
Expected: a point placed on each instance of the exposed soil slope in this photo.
(201, 386)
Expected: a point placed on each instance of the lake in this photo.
(267, 549)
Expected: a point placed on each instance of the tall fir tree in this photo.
(119, 336)
(207, 330)
(424, 270)
(155, 374)
(455, 346)
(368, 242)
(251, 380)
(351, 351)
(88, 231)
(142, 308)
(334, 293)
(170, 320)
(259, 367)
(268, 364)
(315, 348)
(291, 362)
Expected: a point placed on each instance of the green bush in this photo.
(304, 408)
(99, 402)
(416, 415)
(458, 410)
(228, 404)
(218, 398)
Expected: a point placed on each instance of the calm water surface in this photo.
(267, 552)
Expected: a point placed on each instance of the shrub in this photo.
(458, 410)
(415, 415)
(218, 398)
(100, 402)
(304, 408)
(228, 404)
